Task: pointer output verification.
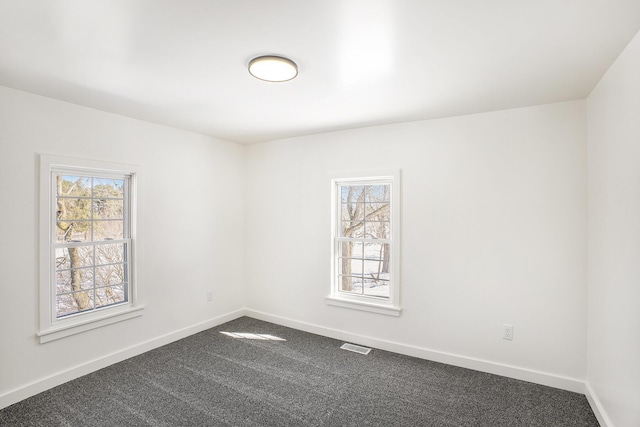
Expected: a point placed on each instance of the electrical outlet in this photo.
(507, 332)
(209, 296)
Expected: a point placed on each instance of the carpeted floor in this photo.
(212, 379)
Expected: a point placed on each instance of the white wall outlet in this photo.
(507, 332)
(209, 296)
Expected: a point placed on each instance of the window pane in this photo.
(63, 281)
(106, 187)
(351, 284)
(350, 249)
(76, 231)
(108, 209)
(107, 230)
(73, 209)
(377, 288)
(73, 303)
(65, 304)
(350, 266)
(350, 258)
(377, 230)
(353, 211)
(110, 275)
(109, 254)
(74, 280)
(82, 256)
(70, 186)
(375, 251)
(354, 229)
(110, 295)
(377, 211)
(378, 192)
(351, 193)
(375, 270)
(376, 264)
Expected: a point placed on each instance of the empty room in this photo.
(320, 213)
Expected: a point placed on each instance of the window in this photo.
(87, 230)
(365, 242)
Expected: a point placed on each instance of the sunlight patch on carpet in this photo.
(250, 336)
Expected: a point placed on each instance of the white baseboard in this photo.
(597, 407)
(54, 380)
(551, 380)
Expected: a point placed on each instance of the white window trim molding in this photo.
(391, 306)
(373, 307)
(50, 328)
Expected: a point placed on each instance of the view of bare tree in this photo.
(365, 218)
(90, 266)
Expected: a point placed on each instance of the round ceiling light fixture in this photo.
(273, 68)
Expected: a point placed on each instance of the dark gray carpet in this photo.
(211, 379)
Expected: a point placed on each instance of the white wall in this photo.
(613, 372)
(494, 231)
(191, 207)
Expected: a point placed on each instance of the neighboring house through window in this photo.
(87, 239)
(365, 242)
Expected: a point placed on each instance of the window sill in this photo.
(389, 310)
(58, 332)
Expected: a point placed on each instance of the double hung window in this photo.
(365, 242)
(86, 244)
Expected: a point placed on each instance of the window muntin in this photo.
(365, 242)
(90, 242)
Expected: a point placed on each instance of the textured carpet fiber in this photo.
(213, 379)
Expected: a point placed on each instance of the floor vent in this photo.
(355, 348)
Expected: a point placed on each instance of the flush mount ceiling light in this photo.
(273, 68)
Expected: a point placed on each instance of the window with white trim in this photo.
(365, 242)
(87, 230)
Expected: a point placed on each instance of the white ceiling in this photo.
(366, 62)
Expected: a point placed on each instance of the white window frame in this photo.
(391, 305)
(51, 327)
